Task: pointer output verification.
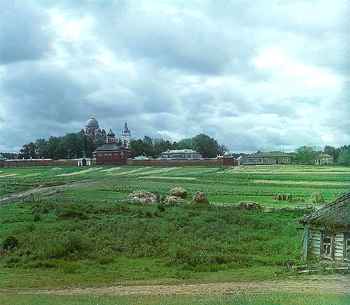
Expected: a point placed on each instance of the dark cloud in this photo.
(23, 32)
(255, 75)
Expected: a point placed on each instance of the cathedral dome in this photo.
(92, 122)
(111, 133)
(126, 129)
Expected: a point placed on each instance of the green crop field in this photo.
(73, 226)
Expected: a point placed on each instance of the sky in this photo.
(254, 75)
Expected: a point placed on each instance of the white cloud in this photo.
(255, 75)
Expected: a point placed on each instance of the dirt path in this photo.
(332, 284)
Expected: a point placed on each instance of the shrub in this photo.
(36, 217)
(10, 243)
(69, 211)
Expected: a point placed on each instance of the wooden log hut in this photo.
(327, 231)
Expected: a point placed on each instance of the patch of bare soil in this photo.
(47, 190)
(332, 284)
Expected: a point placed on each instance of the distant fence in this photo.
(130, 161)
(43, 162)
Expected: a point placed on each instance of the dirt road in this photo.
(331, 284)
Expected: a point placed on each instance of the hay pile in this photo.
(176, 196)
(178, 192)
(316, 198)
(200, 198)
(143, 197)
(173, 200)
(248, 205)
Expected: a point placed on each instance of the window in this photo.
(327, 245)
(347, 246)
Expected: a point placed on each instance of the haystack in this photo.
(173, 200)
(200, 198)
(143, 197)
(248, 205)
(179, 192)
(316, 198)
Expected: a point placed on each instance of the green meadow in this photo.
(73, 226)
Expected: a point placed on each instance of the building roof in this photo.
(334, 215)
(228, 154)
(109, 146)
(179, 151)
(111, 133)
(141, 158)
(323, 156)
(92, 122)
(126, 129)
(268, 154)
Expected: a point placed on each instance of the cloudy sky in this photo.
(255, 75)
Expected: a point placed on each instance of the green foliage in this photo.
(72, 145)
(330, 150)
(186, 235)
(208, 147)
(10, 243)
(305, 154)
(88, 226)
(344, 156)
(28, 151)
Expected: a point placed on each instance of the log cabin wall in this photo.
(316, 246)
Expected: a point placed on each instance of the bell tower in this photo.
(125, 135)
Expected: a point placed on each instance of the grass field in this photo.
(288, 299)
(73, 226)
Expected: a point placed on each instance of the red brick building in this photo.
(112, 152)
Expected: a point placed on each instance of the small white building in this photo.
(84, 162)
(323, 159)
(180, 154)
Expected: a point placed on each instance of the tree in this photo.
(148, 149)
(208, 147)
(136, 147)
(160, 146)
(188, 143)
(54, 149)
(305, 154)
(28, 151)
(344, 156)
(331, 151)
(73, 145)
(41, 147)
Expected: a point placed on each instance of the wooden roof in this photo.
(333, 216)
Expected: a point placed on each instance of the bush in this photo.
(36, 217)
(10, 243)
(65, 211)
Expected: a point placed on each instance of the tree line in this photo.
(70, 146)
(207, 146)
(76, 145)
(306, 154)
